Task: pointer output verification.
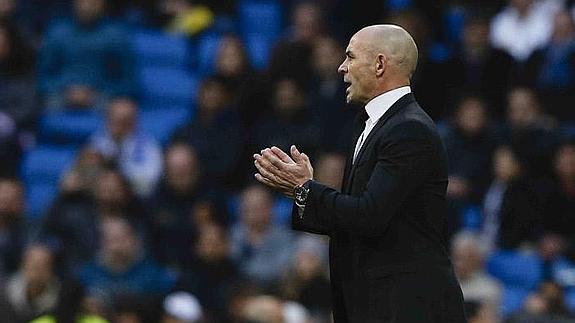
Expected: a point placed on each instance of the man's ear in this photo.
(380, 64)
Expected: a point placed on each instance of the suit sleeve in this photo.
(403, 158)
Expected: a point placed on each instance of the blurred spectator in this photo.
(35, 289)
(291, 122)
(327, 95)
(545, 305)
(210, 272)
(552, 68)
(481, 68)
(469, 146)
(261, 250)
(88, 167)
(10, 14)
(511, 208)
(329, 170)
(270, 309)
(469, 265)
(72, 222)
(559, 196)
(172, 204)
(552, 250)
(186, 16)
(307, 281)
(292, 56)
(216, 134)
(232, 62)
(85, 59)
(17, 85)
(70, 309)
(70, 225)
(122, 268)
(137, 155)
(478, 313)
(181, 307)
(134, 309)
(247, 88)
(12, 224)
(528, 131)
(434, 77)
(114, 197)
(522, 27)
(263, 309)
(10, 148)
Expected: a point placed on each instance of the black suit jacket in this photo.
(388, 255)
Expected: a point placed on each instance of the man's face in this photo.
(358, 71)
(181, 168)
(119, 242)
(89, 10)
(11, 199)
(37, 265)
(256, 208)
(121, 118)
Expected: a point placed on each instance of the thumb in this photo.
(297, 156)
(305, 158)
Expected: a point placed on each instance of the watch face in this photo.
(301, 194)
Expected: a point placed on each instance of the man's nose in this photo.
(342, 69)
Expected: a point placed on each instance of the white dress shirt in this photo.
(521, 36)
(375, 109)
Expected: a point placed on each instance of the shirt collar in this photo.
(381, 103)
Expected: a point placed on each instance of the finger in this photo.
(281, 155)
(274, 160)
(265, 163)
(265, 172)
(296, 154)
(305, 158)
(268, 182)
(264, 180)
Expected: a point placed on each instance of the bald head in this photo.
(379, 58)
(392, 41)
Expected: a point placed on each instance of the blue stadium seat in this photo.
(207, 48)
(519, 273)
(156, 48)
(163, 86)
(260, 17)
(258, 49)
(567, 130)
(397, 5)
(161, 123)
(454, 20)
(69, 127)
(41, 171)
(570, 299)
(39, 197)
(260, 25)
(45, 163)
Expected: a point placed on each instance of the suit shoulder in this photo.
(413, 124)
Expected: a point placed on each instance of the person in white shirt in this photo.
(523, 26)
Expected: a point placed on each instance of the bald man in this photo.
(388, 253)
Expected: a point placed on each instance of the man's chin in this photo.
(349, 99)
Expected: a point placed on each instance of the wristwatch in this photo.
(301, 193)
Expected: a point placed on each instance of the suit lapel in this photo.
(402, 102)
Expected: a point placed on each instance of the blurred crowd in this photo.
(172, 227)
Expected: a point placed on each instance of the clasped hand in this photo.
(282, 172)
